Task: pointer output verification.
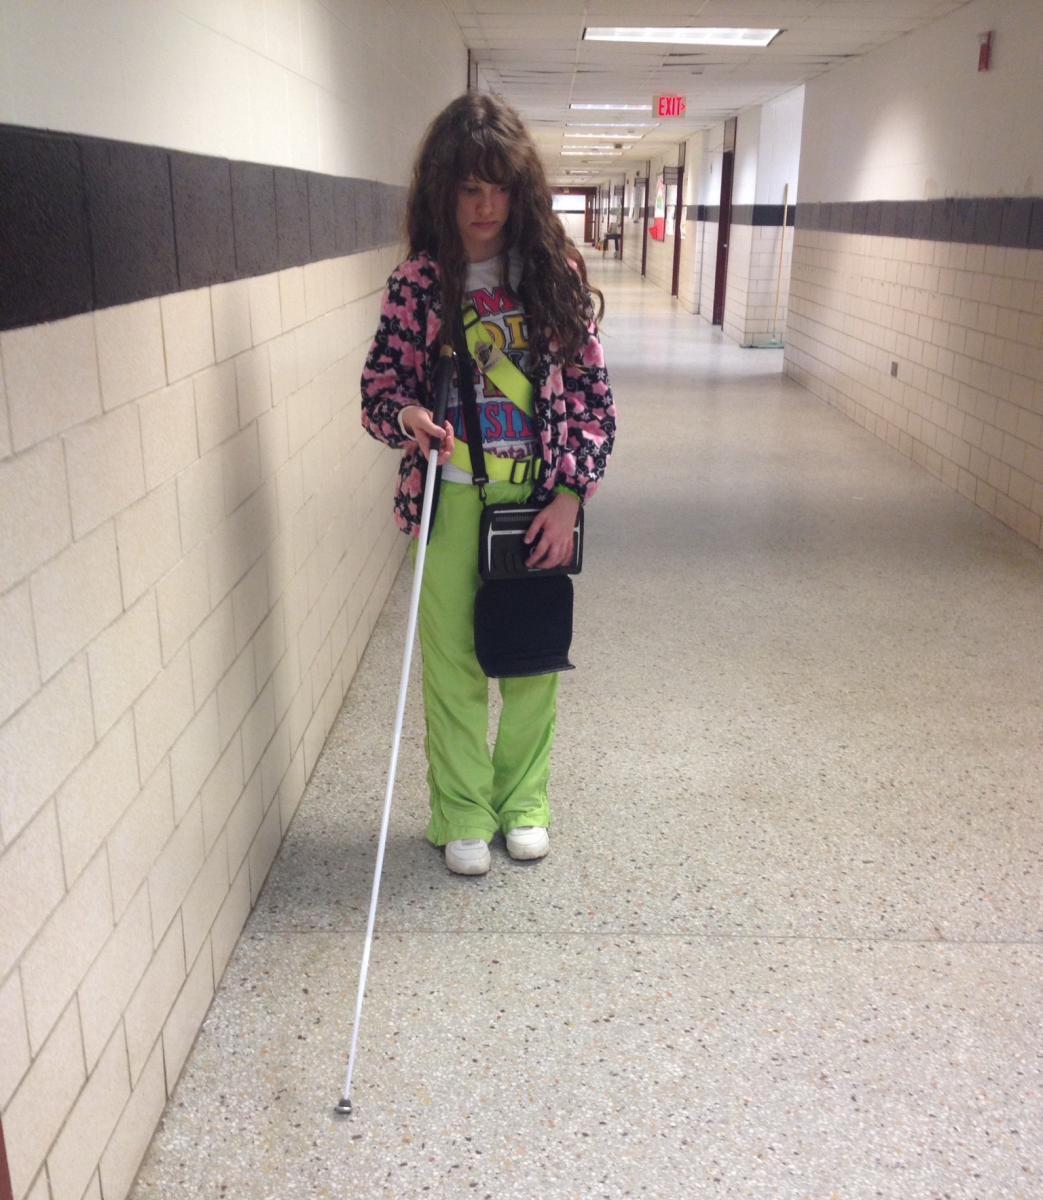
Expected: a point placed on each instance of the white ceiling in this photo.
(532, 53)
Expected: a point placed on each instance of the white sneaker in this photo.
(530, 841)
(467, 857)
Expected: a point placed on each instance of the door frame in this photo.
(678, 218)
(644, 219)
(724, 222)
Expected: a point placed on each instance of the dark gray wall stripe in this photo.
(292, 217)
(204, 227)
(128, 213)
(87, 223)
(761, 214)
(253, 202)
(45, 259)
(744, 214)
(985, 220)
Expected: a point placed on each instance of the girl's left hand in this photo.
(551, 531)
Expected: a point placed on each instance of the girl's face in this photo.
(482, 210)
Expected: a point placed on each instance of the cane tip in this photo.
(343, 1108)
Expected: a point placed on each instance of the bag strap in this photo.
(493, 363)
(469, 403)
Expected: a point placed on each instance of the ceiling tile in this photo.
(534, 55)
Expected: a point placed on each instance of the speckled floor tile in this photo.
(511, 1066)
(787, 943)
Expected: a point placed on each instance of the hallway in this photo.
(787, 941)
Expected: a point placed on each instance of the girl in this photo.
(485, 245)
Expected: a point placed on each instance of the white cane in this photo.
(443, 376)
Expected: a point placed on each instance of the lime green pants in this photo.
(474, 793)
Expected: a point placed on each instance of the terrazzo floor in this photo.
(787, 944)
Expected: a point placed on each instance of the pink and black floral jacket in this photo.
(574, 413)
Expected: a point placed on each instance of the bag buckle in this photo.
(488, 355)
(526, 470)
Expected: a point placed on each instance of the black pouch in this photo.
(522, 615)
(502, 551)
(524, 626)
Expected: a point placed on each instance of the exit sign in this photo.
(669, 106)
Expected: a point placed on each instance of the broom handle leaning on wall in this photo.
(782, 248)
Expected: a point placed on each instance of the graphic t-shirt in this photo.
(507, 430)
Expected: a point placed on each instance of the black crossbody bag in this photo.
(522, 615)
(503, 551)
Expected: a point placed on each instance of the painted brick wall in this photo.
(753, 256)
(202, 541)
(632, 234)
(755, 281)
(920, 243)
(964, 323)
(660, 262)
(766, 283)
(195, 534)
(736, 297)
(708, 276)
(693, 265)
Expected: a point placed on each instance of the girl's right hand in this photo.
(417, 420)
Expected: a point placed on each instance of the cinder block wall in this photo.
(740, 238)
(660, 263)
(692, 261)
(633, 232)
(754, 277)
(708, 232)
(773, 217)
(766, 283)
(737, 295)
(764, 194)
(195, 534)
(962, 324)
(693, 248)
(919, 251)
(708, 214)
(766, 159)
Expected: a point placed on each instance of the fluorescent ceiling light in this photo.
(685, 35)
(616, 107)
(599, 146)
(610, 125)
(591, 153)
(602, 136)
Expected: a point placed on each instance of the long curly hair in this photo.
(479, 136)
